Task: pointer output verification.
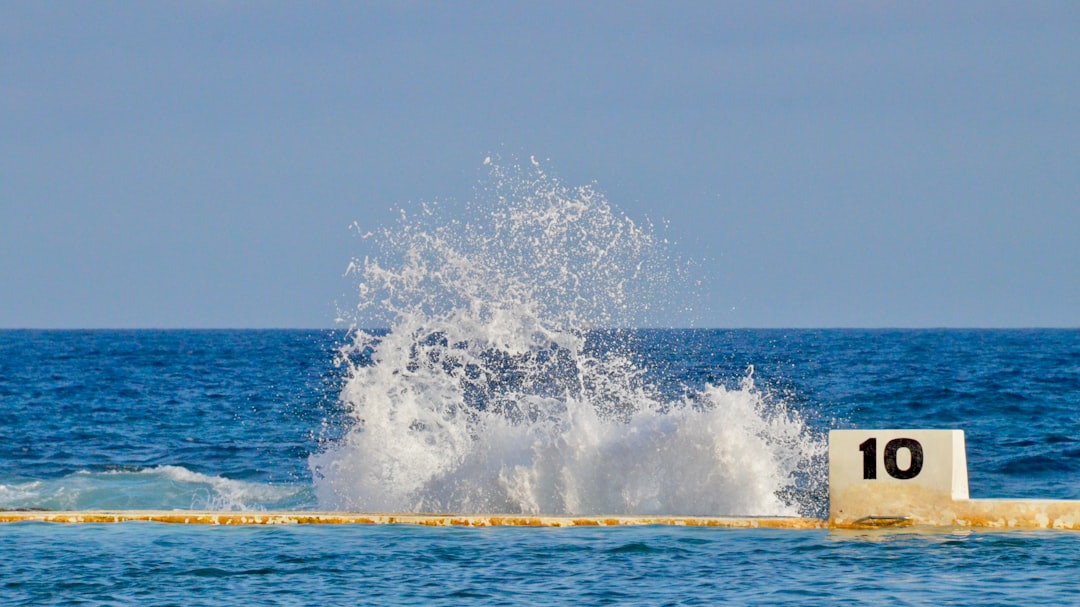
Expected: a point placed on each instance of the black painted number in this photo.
(869, 459)
(869, 451)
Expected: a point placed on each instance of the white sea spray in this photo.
(505, 381)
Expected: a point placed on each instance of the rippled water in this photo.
(161, 564)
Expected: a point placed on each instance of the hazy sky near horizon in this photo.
(827, 164)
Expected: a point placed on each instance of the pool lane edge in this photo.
(210, 517)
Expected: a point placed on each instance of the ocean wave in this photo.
(156, 488)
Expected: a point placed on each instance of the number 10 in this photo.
(869, 451)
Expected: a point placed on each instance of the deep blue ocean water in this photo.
(228, 419)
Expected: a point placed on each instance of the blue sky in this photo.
(830, 164)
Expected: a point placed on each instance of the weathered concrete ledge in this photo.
(982, 513)
(993, 514)
(208, 517)
(1014, 513)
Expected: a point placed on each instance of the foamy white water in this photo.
(486, 394)
(157, 488)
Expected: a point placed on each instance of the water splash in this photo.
(492, 390)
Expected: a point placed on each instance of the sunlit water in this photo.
(312, 565)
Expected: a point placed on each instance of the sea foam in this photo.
(505, 380)
(156, 488)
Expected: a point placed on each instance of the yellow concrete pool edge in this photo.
(210, 517)
(977, 517)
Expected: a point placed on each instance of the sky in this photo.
(199, 164)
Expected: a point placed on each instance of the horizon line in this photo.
(645, 328)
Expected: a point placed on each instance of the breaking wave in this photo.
(505, 378)
(157, 488)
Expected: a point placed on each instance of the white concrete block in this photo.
(894, 473)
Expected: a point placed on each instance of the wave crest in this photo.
(157, 488)
(493, 391)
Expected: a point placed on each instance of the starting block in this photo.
(885, 478)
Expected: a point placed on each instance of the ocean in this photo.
(507, 376)
(234, 419)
